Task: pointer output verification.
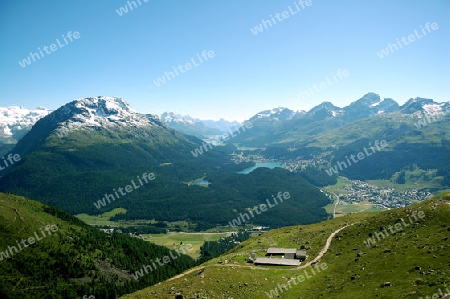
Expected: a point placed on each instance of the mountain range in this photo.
(330, 135)
(284, 127)
(197, 127)
(90, 148)
(15, 122)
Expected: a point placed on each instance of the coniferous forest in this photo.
(78, 260)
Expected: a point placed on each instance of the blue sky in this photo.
(123, 55)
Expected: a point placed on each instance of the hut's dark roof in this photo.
(276, 262)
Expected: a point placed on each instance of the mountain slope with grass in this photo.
(405, 150)
(65, 258)
(409, 261)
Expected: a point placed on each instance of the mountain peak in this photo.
(419, 105)
(370, 99)
(99, 112)
(279, 113)
(110, 105)
(172, 117)
(369, 105)
(324, 110)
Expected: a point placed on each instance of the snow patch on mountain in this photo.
(99, 112)
(375, 104)
(433, 108)
(276, 114)
(324, 110)
(418, 105)
(14, 120)
(195, 126)
(170, 117)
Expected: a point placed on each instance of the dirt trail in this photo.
(187, 272)
(318, 257)
(16, 211)
(325, 248)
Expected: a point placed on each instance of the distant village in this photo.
(384, 198)
(358, 191)
(119, 231)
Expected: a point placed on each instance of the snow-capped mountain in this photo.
(197, 127)
(98, 122)
(281, 125)
(221, 124)
(170, 117)
(277, 114)
(369, 105)
(15, 122)
(324, 110)
(421, 105)
(99, 112)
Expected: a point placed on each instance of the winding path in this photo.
(325, 248)
(317, 258)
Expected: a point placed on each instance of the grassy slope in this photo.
(194, 239)
(424, 244)
(394, 127)
(20, 218)
(104, 219)
(19, 215)
(39, 269)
